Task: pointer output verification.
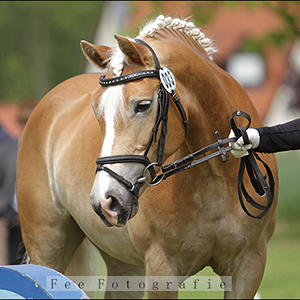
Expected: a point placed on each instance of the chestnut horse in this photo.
(188, 221)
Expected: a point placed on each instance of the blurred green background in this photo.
(40, 48)
(40, 44)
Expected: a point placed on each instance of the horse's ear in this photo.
(99, 55)
(136, 52)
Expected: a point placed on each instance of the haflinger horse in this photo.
(188, 221)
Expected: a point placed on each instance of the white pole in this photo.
(114, 18)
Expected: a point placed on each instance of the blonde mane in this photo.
(184, 26)
(187, 27)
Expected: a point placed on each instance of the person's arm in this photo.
(282, 137)
(278, 138)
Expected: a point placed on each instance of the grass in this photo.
(282, 274)
(289, 185)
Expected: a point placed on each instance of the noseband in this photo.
(166, 88)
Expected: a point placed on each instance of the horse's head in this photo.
(139, 127)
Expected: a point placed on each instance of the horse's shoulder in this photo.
(68, 93)
(65, 103)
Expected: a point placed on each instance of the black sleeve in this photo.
(281, 137)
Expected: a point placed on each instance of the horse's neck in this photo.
(202, 85)
(209, 110)
(207, 114)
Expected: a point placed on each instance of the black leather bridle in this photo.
(166, 89)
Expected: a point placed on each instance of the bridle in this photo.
(166, 89)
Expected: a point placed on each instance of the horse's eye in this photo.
(142, 106)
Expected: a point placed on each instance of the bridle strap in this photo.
(182, 113)
(132, 188)
(125, 159)
(164, 99)
(127, 78)
(141, 42)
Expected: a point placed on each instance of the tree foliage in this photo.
(40, 44)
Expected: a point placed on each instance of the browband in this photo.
(126, 78)
(133, 76)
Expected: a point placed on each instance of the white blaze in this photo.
(111, 103)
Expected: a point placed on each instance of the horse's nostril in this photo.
(114, 204)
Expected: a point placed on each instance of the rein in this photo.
(167, 89)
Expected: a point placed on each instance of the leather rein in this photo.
(167, 89)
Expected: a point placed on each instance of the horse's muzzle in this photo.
(114, 213)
